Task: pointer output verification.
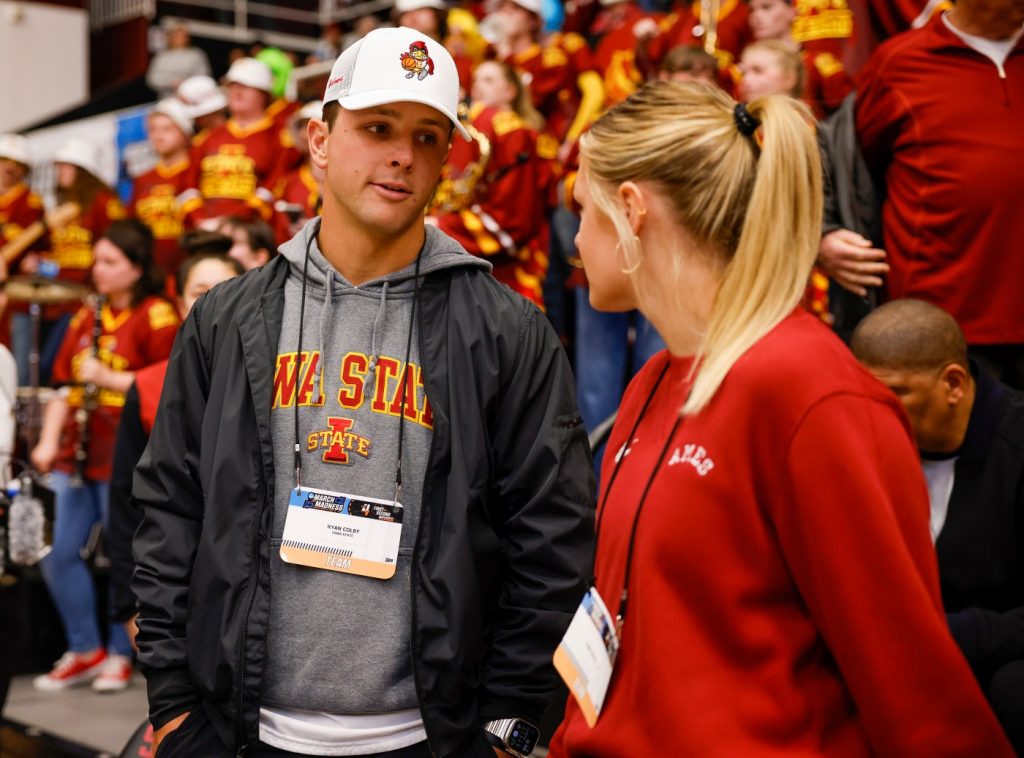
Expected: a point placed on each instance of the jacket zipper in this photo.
(254, 578)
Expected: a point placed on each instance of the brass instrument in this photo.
(90, 399)
(456, 193)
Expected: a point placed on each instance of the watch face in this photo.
(523, 737)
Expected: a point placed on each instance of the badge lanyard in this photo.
(620, 616)
(401, 384)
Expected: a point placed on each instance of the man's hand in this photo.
(132, 627)
(852, 261)
(93, 370)
(162, 732)
(43, 455)
(501, 753)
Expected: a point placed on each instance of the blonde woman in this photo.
(770, 67)
(763, 545)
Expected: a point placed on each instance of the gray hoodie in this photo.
(341, 643)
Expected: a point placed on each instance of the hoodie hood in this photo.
(439, 252)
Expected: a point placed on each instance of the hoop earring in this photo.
(620, 257)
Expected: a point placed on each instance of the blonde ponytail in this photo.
(755, 205)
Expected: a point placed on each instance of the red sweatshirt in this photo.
(784, 598)
(942, 125)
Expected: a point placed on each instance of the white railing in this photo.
(104, 13)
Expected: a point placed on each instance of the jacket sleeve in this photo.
(988, 639)
(168, 491)
(545, 486)
(124, 518)
(851, 516)
(879, 114)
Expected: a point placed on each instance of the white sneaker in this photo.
(115, 675)
(71, 669)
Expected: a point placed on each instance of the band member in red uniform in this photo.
(481, 201)
(690, 24)
(155, 193)
(764, 575)
(823, 27)
(102, 349)
(19, 206)
(826, 82)
(559, 73)
(281, 109)
(299, 191)
(235, 169)
(618, 28)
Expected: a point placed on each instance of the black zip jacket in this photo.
(505, 541)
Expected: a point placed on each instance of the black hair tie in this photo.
(745, 122)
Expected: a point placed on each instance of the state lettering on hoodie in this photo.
(392, 383)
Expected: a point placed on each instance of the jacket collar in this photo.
(986, 416)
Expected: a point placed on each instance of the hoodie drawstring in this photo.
(378, 323)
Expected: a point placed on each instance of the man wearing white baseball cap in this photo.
(368, 498)
(155, 193)
(237, 167)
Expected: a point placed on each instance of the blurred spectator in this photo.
(688, 63)
(427, 16)
(170, 67)
(363, 26)
(970, 432)
(254, 243)
(825, 81)
(938, 115)
(104, 346)
(206, 103)
(155, 193)
(694, 23)
(19, 206)
(328, 48)
(619, 27)
(559, 71)
(281, 109)
(299, 191)
(480, 201)
(237, 166)
(770, 67)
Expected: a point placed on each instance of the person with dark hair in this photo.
(254, 243)
(689, 63)
(970, 434)
(206, 266)
(128, 326)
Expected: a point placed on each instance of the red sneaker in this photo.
(115, 674)
(71, 669)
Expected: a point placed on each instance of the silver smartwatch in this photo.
(514, 736)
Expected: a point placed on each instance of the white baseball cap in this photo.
(251, 73)
(312, 109)
(202, 95)
(396, 66)
(534, 6)
(404, 6)
(177, 112)
(14, 147)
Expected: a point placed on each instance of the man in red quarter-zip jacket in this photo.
(938, 119)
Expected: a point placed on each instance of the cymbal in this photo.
(37, 289)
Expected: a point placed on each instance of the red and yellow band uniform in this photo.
(71, 245)
(130, 339)
(683, 27)
(495, 206)
(826, 83)
(235, 169)
(297, 188)
(156, 203)
(615, 56)
(552, 72)
(823, 26)
(19, 209)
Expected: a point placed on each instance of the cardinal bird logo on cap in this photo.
(417, 62)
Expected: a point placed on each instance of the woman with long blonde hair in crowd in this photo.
(763, 548)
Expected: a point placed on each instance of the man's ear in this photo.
(317, 132)
(956, 379)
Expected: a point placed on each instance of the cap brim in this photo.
(377, 97)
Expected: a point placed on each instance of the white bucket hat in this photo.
(14, 147)
(251, 73)
(177, 112)
(80, 152)
(534, 6)
(396, 66)
(202, 95)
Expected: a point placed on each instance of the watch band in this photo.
(499, 730)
